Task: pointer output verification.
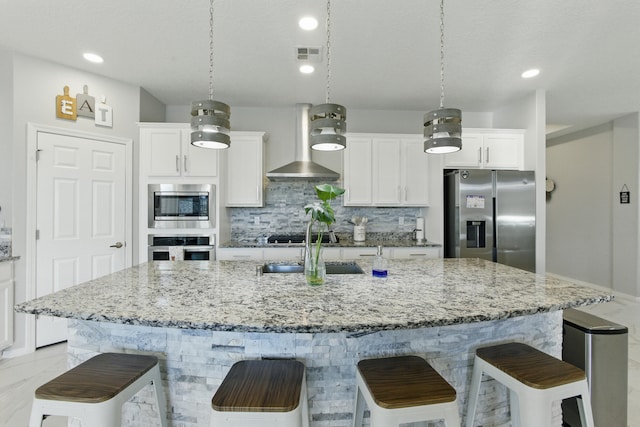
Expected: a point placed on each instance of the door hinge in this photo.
(37, 234)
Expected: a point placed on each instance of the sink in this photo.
(332, 268)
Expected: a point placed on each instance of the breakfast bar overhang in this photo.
(201, 317)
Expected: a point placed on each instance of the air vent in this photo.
(309, 54)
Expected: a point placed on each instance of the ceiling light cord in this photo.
(441, 53)
(328, 97)
(211, 49)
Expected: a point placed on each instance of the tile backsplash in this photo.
(283, 212)
(5, 242)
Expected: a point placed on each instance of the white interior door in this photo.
(81, 217)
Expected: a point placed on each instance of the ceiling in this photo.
(384, 54)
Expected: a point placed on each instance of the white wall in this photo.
(626, 217)
(6, 136)
(35, 86)
(579, 211)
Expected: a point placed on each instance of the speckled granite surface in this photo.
(9, 258)
(228, 296)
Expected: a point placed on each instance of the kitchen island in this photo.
(201, 317)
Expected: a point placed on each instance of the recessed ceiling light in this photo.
(92, 57)
(530, 73)
(308, 23)
(307, 69)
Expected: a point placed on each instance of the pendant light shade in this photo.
(328, 127)
(442, 127)
(210, 126)
(327, 122)
(443, 130)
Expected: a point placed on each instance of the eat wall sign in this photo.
(83, 105)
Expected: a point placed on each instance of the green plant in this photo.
(321, 212)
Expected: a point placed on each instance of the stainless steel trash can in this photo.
(600, 348)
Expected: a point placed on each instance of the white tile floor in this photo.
(20, 376)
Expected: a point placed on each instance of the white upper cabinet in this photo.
(386, 170)
(166, 151)
(358, 174)
(489, 149)
(244, 181)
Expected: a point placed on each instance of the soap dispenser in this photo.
(379, 265)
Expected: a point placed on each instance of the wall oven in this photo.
(178, 248)
(182, 206)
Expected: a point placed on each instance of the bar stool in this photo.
(272, 393)
(95, 390)
(401, 390)
(534, 379)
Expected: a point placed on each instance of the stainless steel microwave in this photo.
(182, 206)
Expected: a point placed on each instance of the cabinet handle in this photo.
(480, 155)
(257, 193)
(185, 163)
(406, 191)
(348, 193)
(177, 163)
(367, 255)
(486, 157)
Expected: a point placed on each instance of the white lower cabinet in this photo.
(329, 253)
(6, 304)
(359, 253)
(415, 252)
(239, 254)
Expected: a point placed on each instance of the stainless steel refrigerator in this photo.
(491, 215)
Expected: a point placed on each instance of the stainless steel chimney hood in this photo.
(302, 167)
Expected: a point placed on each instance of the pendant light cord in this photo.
(441, 53)
(211, 50)
(328, 51)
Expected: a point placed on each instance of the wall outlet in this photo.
(256, 220)
(401, 220)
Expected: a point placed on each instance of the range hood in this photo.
(302, 167)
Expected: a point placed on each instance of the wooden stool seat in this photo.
(531, 366)
(268, 392)
(98, 379)
(535, 380)
(95, 390)
(404, 389)
(400, 382)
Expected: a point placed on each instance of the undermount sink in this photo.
(332, 268)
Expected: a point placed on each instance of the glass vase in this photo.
(315, 271)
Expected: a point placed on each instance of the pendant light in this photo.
(442, 127)
(327, 121)
(210, 126)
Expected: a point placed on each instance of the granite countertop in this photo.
(9, 258)
(229, 296)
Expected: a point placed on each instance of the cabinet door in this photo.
(416, 253)
(386, 172)
(245, 171)
(284, 254)
(415, 171)
(6, 304)
(356, 253)
(162, 148)
(239, 254)
(358, 173)
(470, 156)
(503, 151)
(197, 161)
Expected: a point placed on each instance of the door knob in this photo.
(117, 245)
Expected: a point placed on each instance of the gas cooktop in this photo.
(295, 238)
